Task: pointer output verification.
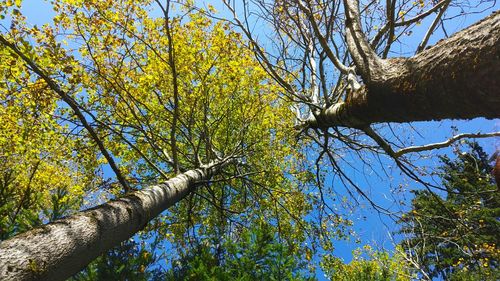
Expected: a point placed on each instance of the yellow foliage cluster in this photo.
(40, 176)
(117, 57)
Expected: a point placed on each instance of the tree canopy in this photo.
(161, 140)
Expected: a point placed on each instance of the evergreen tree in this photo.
(129, 261)
(255, 253)
(455, 236)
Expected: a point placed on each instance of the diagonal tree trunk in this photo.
(60, 249)
(458, 78)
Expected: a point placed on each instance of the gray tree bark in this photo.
(458, 78)
(60, 249)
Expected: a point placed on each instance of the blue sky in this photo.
(371, 227)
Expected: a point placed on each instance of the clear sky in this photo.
(371, 227)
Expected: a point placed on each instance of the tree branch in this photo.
(445, 143)
(422, 44)
(322, 40)
(375, 41)
(72, 104)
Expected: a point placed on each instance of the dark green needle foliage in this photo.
(255, 254)
(455, 234)
(130, 261)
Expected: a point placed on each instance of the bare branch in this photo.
(375, 41)
(367, 61)
(322, 40)
(422, 44)
(444, 143)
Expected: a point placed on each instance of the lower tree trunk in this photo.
(458, 78)
(60, 249)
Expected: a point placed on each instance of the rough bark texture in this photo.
(60, 249)
(458, 78)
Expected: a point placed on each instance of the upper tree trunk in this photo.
(60, 249)
(458, 78)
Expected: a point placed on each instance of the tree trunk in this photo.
(458, 78)
(60, 249)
